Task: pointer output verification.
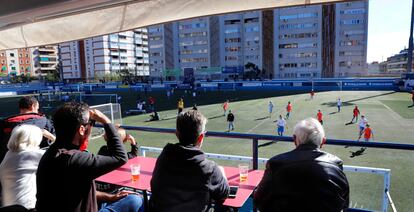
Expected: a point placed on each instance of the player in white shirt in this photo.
(281, 124)
(339, 104)
(362, 124)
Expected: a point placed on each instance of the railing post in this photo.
(255, 154)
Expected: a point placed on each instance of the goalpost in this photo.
(112, 111)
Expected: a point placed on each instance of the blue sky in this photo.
(388, 28)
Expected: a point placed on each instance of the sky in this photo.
(388, 28)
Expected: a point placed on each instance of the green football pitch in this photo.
(388, 113)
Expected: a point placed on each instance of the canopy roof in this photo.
(28, 23)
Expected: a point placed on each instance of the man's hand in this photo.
(131, 139)
(98, 116)
(49, 135)
(107, 197)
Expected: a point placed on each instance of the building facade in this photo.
(397, 64)
(124, 53)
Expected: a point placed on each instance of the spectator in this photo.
(306, 178)
(125, 137)
(28, 114)
(18, 169)
(339, 104)
(183, 179)
(230, 120)
(151, 101)
(65, 176)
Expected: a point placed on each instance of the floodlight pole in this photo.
(410, 41)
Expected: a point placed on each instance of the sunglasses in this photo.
(91, 122)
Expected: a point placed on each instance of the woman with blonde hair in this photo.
(18, 169)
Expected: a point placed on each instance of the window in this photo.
(156, 46)
(252, 29)
(229, 22)
(251, 20)
(190, 60)
(11, 54)
(350, 43)
(229, 31)
(298, 16)
(350, 63)
(155, 38)
(298, 26)
(232, 40)
(232, 49)
(156, 54)
(193, 34)
(297, 45)
(201, 42)
(192, 26)
(252, 57)
(186, 43)
(20, 55)
(352, 21)
(299, 55)
(353, 32)
(299, 35)
(351, 53)
(231, 58)
(353, 11)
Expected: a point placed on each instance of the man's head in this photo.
(319, 111)
(280, 116)
(191, 127)
(28, 104)
(72, 123)
(309, 131)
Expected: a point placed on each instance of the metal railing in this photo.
(256, 160)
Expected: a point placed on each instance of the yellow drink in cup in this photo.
(243, 172)
(135, 171)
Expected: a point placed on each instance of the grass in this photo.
(387, 113)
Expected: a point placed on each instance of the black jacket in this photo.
(8, 124)
(304, 179)
(230, 117)
(184, 180)
(65, 176)
(132, 154)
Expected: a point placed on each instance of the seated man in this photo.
(65, 176)
(306, 178)
(183, 179)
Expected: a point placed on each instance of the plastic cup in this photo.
(243, 172)
(135, 171)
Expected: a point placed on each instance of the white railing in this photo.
(386, 173)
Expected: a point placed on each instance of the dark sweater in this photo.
(65, 176)
(304, 179)
(132, 154)
(184, 180)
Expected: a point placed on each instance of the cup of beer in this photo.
(135, 171)
(243, 172)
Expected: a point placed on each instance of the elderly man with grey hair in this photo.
(306, 178)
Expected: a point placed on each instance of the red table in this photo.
(122, 177)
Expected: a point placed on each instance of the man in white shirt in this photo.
(281, 123)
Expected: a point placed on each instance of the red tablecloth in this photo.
(122, 177)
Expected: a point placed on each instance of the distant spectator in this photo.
(125, 137)
(65, 176)
(230, 120)
(306, 178)
(18, 169)
(183, 179)
(28, 114)
(154, 117)
(312, 94)
(288, 110)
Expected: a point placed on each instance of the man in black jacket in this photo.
(65, 176)
(28, 114)
(306, 178)
(183, 179)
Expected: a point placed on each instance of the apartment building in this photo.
(351, 39)
(162, 46)
(45, 59)
(18, 61)
(118, 53)
(298, 42)
(321, 40)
